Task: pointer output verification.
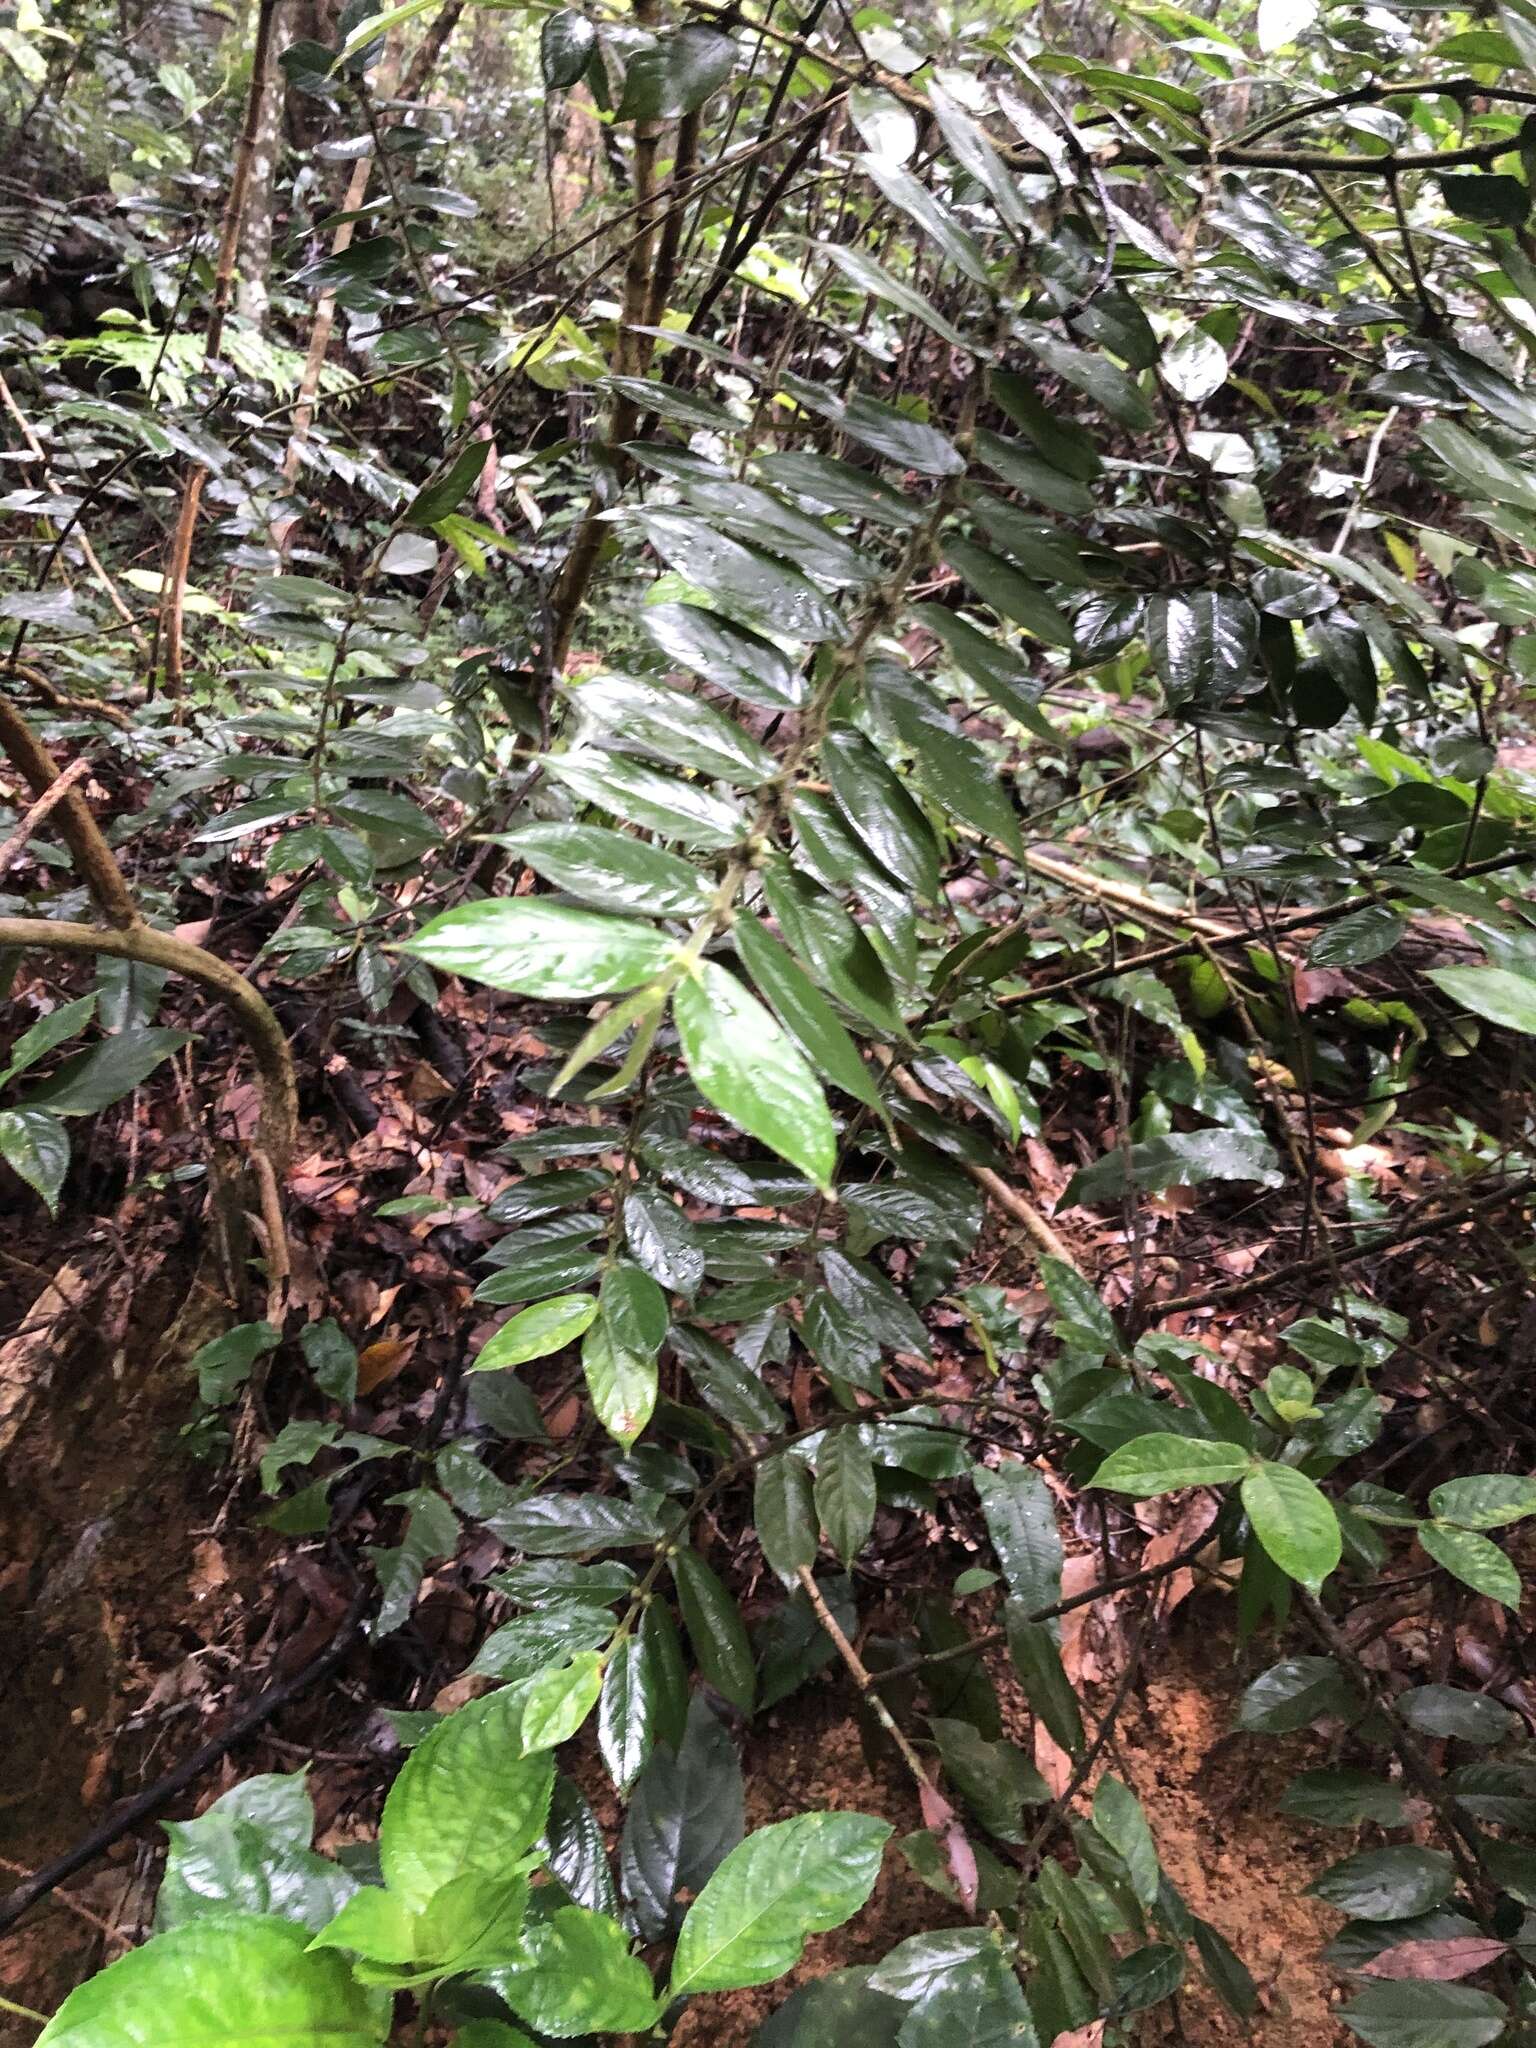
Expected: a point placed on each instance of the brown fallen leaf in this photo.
(378, 1364)
(1436, 1962)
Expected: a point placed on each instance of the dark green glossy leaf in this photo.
(715, 1629)
(611, 868)
(541, 949)
(745, 1064)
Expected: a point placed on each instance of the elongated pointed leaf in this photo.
(796, 1878)
(541, 949)
(744, 1062)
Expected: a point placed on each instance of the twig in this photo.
(866, 1683)
(32, 818)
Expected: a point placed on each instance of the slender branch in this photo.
(249, 1009)
(196, 475)
(32, 818)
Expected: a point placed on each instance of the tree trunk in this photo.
(255, 257)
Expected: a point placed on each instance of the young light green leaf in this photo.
(466, 1799)
(1294, 1521)
(743, 1062)
(611, 868)
(579, 1978)
(1487, 1500)
(1162, 1462)
(244, 1981)
(546, 1327)
(1497, 993)
(622, 1383)
(558, 1701)
(804, 1011)
(1475, 1561)
(796, 1878)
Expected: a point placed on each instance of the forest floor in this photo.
(142, 1604)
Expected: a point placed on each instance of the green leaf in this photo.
(840, 487)
(871, 797)
(1486, 1500)
(246, 1981)
(1475, 1561)
(1009, 594)
(331, 1356)
(622, 1383)
(39, 1039)
(436, 500)
(913, 198)
(626, 1716)
(1294, 1521)
(1294, 1694)
(580, 1978)
(610, 868)
(836, 950)
(861, 269)
(663, 804)
(727, 655)
(547, 1327)
(995, 1779)
(678, 727)
(845, 1492)
(1419, 2015)
(94, 1080)
(796, 1878)
(36, 1146)
(784, 1512)
(224, 1363)
(1021, 1520)
(1102, 381)
(1476, 469)
(1163, 1462)
(558, 1701)
(635, 1312)
(1448, 1712)
(804, 1012)
(1497, 993)
(1344, 1799)
(535, 948)
(1118, 1816)
(566, 43)
(1355, 940)
(1184, 1159)
(766, 591)
(745, 1064)
(676, 75)
(1387, 1884)
(1204, 646)
(684, 1818)
(663, 1241)
(1035, 1653)
(715, 1629)
(563, 1525)
(465, 1800)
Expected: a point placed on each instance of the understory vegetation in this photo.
(765, 935)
